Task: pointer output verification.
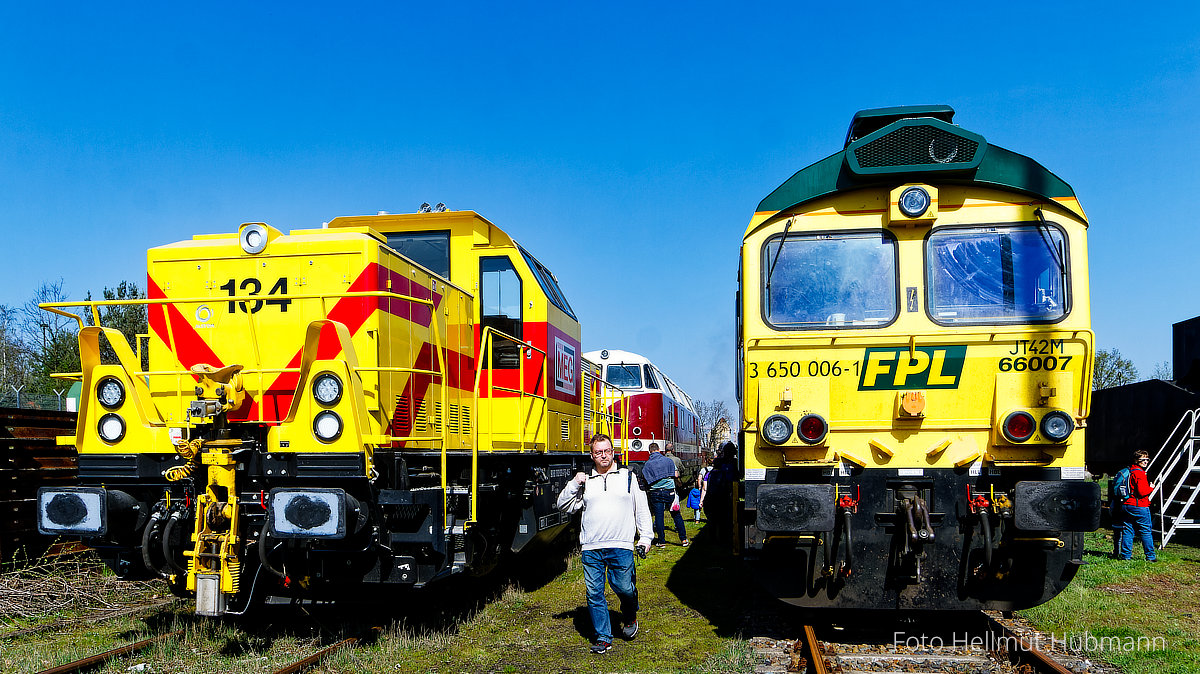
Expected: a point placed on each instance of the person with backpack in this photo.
(614, 511)
(659, 472)
(1136, 508)
(1118, 491)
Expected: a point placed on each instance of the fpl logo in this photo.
(926, 367)
(564, 366)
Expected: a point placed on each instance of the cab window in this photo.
(428, 249)
(830, 281)
(500, 308)
(651, 379)
(549, 284)
(999, 274)
(623, 375)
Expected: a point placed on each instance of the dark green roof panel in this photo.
(997, 167)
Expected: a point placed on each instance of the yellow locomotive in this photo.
(915, 365)
(386, 400)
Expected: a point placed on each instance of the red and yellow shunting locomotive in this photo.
(387, 400)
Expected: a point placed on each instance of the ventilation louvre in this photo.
(916, 145)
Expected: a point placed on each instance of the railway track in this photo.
(94, 661)
(976, 644)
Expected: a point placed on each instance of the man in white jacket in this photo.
(614, 509)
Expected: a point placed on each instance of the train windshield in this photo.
(845, 280)
(624, 376)
(1003, 274)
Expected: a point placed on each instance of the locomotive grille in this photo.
(915, 146)
(402, 417)
(420, 419)
(588, 384)
(566, 429)
(458, 419)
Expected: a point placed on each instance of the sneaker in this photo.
(601, 647)
(686, 543)
(630, 631)
(660, 545)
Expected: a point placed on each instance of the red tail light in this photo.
(812, 428)
(1019, 426)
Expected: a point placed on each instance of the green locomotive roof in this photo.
(889, 146)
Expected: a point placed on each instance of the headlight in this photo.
(327, 388)
(1057, 425)
(636, 444)
(1018, 426)
(111, 428)
(82, 511)
(812, 428)
(914, 201)
(327, 426)
(309, 513)
(253, 238)
(110, 392)
(637, 430)
(777, 429)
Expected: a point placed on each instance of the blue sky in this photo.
(626, 144)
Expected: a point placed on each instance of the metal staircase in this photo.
(1175, 468)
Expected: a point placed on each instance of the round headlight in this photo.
(327, 388)
(812, 428)
(1019, 426)
(1057, 425)
(636, 444)
(327, 426)
(777, 429)
(111, 427)
(254, 238)
(110, 392)
(914, 201)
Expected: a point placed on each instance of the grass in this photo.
(1144, 617)
(534, 618)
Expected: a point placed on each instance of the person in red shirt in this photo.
(1137, 509)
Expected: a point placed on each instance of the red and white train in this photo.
(658, 410)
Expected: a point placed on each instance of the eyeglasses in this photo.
(1143, 460)
(602, 452)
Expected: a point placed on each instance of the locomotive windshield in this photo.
(830, 280)
(1002, 274)
(624, 376)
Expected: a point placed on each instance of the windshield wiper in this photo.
(771, 270)
(1044, 229)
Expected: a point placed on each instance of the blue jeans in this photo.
(661, 499)
(1136, 519)
(621, 577)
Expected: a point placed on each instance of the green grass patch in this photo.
(1142, 617)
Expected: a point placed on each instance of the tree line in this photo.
(36, 344)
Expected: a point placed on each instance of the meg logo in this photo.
(564, 366)
(929, 367)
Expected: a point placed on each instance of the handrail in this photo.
(1181, 452)
(59, 308)
(486, 350)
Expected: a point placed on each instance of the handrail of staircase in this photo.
(1184, 450)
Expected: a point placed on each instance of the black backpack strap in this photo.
(629, 480)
